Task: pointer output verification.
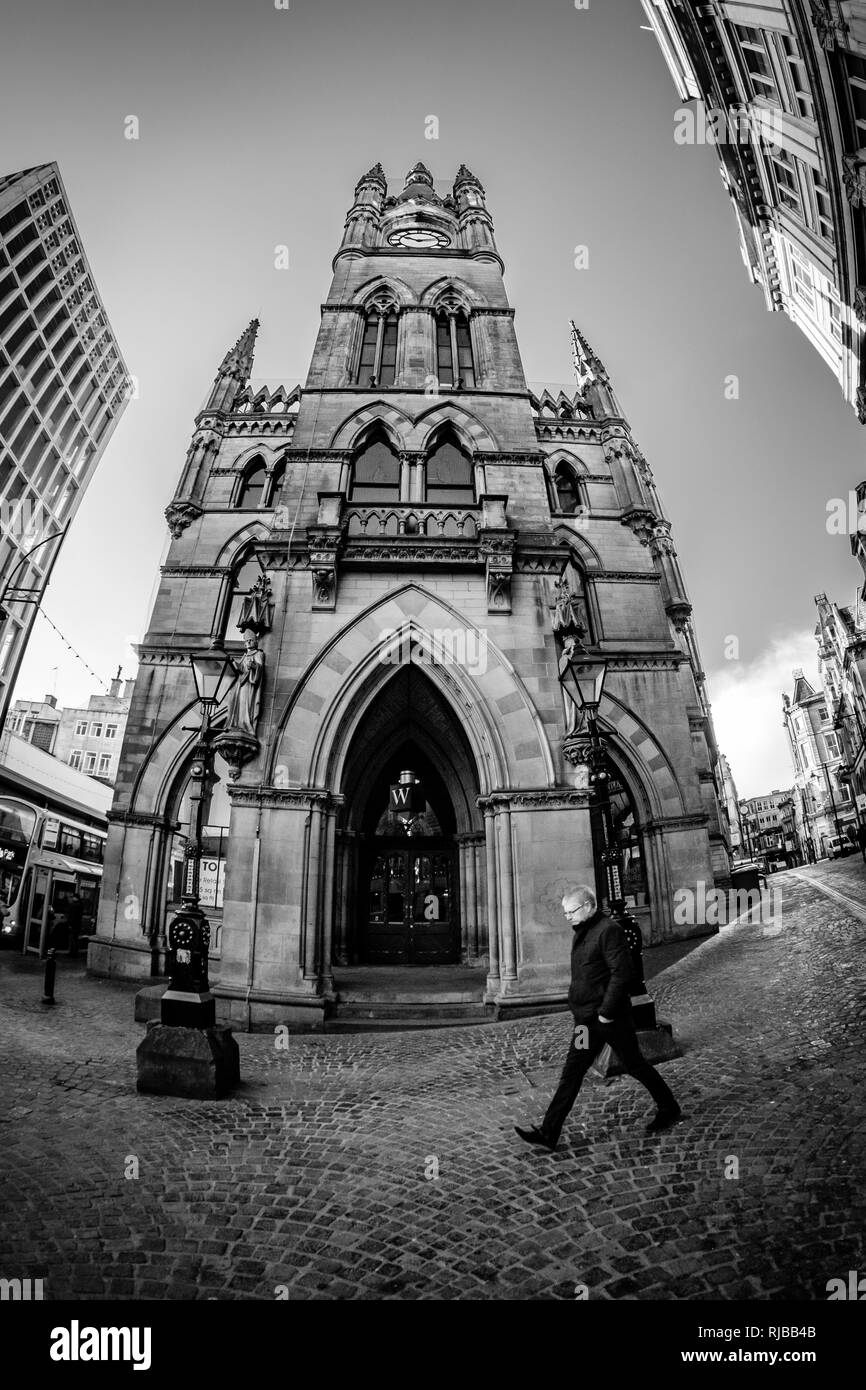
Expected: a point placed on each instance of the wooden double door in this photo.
(410, 916)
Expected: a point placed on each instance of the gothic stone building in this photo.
(392, 536)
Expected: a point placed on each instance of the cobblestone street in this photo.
(318, 1179)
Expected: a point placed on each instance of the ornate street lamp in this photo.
(582, 676)
(188, 1001)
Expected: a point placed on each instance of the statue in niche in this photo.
(245, 697)
(568, 617)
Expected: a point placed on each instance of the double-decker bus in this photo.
(53, 827)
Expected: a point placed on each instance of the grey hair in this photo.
(583, 892)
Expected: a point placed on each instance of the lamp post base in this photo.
(199, 1063)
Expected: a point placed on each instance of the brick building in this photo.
(88, 737)
(395, 539)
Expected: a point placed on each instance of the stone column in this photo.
(311, 913)
(329, 872)
(471, 907)
(506, 896)
(493, 981)
(416, 357)
(481, 946)
(463, 901)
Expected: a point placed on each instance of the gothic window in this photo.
(450, 476)
(253, 484)
(377, 363)
(277, 478)
(376, 474)
(454, 364)
(243, 581)
(567, 489)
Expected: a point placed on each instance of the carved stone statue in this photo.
(568, 620)
(245, 697)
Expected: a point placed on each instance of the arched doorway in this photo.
(409, 908)
(410, 888)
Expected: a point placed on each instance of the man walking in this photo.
(601, 976)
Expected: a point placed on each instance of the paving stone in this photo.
(313, 1174)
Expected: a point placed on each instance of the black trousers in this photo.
(623, 1039)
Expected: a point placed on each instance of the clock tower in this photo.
(391, 553)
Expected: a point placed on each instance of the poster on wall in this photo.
(211, 882)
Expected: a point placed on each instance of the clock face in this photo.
(417, 236)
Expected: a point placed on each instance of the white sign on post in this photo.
(211, 882)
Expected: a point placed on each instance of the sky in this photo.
(254, 124)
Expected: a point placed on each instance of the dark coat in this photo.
(602, 971)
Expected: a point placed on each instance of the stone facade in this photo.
(415, 514)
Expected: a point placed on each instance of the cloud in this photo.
(747, 711)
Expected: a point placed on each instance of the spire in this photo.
(235, 370)
(465, 175)
(374, 175)
(238, 361)
(587, 367)
(420, 174)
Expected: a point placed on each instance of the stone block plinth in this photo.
(201, 1063)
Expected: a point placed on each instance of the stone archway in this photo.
(412, 899)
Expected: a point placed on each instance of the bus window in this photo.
(91, 848)
(17, 824)
(70, 841)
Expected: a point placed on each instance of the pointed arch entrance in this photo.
(412, 885)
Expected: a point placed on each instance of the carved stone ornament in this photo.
(498, 589)
(237, 748)
(860, 303)
(642, 522)
(854, 178)
(829, 24)
(257, 608)
(324, 588)
(861, 405)
(181, 514)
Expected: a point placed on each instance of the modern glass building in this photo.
(63, 387)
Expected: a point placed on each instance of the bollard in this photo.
(50, 972)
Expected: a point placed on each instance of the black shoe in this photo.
(535, 1136)
(663, 1119)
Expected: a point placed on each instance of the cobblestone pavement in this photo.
(318, 1179)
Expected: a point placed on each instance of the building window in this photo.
(823, 206)
(96, 730)
(857, 87)
(104, 764)
(75, 758)
(450, 476)
(276, 483)
(377, 363)
(758, 65)
(454, 363)
(111, 731)
(787, 183)
(81, 728)
(89, 762)
(800, 96)
(376, 474)
(801, 275)
(253, 484)
(567, 489)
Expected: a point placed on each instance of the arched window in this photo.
(277, 479)
(253, 484)
(454, 364)
(243, 582)
(376, 474)
(567, 489)
(450, 476)
(377, 363)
